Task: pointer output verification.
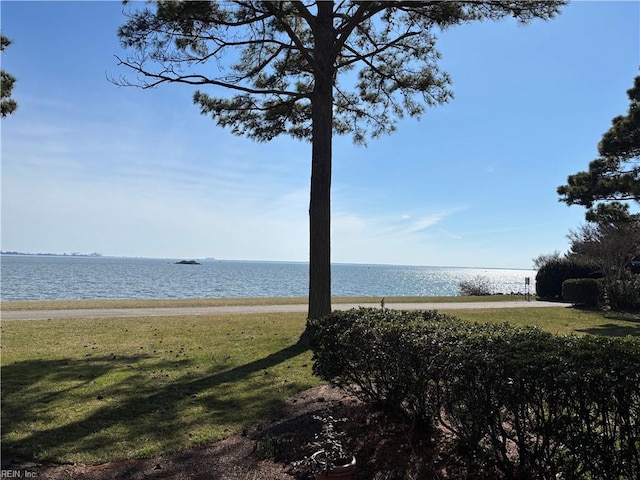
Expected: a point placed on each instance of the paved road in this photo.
(244, 309)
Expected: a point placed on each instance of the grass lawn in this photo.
(559, 321)
(97, 390)
(103, 389)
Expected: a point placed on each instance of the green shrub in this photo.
(518, 400)
(599, 399)
(623, 294)
(382, 356)
(552, 275)
(568, 406)
(582, 291)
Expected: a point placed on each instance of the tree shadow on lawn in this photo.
(133, 412)
(628, 324)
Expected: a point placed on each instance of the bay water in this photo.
(42, 277)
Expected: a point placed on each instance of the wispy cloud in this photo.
(126, 190)
(448, 234)
(493, 231)
(419, 223)
(389, 238)
(385, 225)
(424, 223)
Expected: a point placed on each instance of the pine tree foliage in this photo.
(265, 52)
(307, 69)
(614, 177)
(7, 104)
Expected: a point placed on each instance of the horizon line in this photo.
(214, 259)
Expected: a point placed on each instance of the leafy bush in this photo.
(518, 400)
(567, 406)
(381, 356)
(623, 294)
(582, 291)
(477, 286)
(599, 397)
(552, 275)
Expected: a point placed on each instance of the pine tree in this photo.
(7, 104)
(614, 177)
(307, 69)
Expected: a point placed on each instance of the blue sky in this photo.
(88, 166)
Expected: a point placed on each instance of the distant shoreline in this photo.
(295, 262)
(73, 254)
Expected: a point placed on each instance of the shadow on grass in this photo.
(613, 330)
(617, 324)
(132, 410)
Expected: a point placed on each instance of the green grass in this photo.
(93, 390)
(97, 390)
(559, 321)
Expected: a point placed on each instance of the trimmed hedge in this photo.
(551, 276)
(582, 291)
(519, 401)
(623, 294)
(619, 295)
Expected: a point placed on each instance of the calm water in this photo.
(51, 278)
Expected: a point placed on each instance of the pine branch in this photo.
(169, 76)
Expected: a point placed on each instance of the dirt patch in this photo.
(385, 448)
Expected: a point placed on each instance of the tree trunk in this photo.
(320, 203)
